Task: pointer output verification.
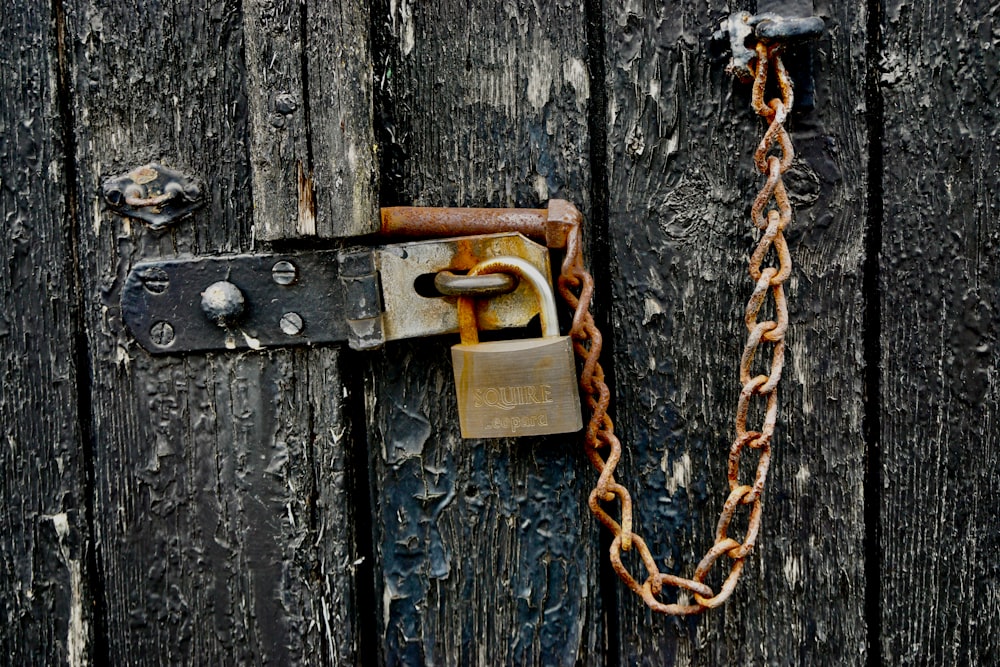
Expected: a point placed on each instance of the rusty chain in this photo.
(560, 227)
(602, 445)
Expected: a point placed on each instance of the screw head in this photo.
(222, 302)
(162, 334)
(291, 324)
(155, 280)
(284, 273)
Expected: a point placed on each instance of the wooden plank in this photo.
(680, 139)
(220, 487)
(940, 287)
(485, 550)
(309, 91)
(44, 541)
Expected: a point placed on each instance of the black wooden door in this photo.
(317, 505)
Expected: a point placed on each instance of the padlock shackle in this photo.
(467, 326)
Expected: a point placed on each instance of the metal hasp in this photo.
(154, 194)
(744, 29)
(362, 296)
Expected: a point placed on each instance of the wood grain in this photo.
(220, 492)
(45, 597)
(680, 180)
(940, 286)
(309, 92)
(485, 552)
(203, 509)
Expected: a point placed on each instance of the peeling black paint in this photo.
(485, 549)
(681, 137)
(940, 286)
(216, 476)
(200, 509)
(45, 592)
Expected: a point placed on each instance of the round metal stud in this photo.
(222, 302)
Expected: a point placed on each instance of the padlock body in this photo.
(517, 387)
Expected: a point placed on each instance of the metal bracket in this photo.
(364, 296)
(743, 28)
(154, 194)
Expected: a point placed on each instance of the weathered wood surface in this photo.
(680, 179)
(940, 286)
(204, 509)
(309, 92)
(44, 535)
(220, 512)
(485, 553)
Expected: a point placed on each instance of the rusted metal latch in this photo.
(363, 296)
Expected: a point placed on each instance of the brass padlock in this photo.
(515, 387)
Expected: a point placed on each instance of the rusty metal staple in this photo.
(602, 446)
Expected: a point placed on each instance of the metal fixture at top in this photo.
(744, 29)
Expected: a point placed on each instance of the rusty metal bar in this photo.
(426, 221)
(550, 224)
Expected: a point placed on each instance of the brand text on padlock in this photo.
(507, 398)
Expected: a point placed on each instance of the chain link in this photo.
(602, 446)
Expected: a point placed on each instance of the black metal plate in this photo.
(169, 291)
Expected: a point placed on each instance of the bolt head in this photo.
(285, 103)
(222, 302)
